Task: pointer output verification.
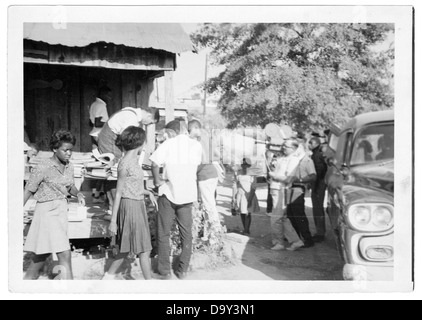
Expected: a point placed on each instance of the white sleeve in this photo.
(131, 120)
(159, 156)
(102, 112)
(198, 154)
(99, 111)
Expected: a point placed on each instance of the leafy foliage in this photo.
(207, 239)
(211, 120)
(306, 75)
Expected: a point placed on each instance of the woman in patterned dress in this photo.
(51, 182)
(129, 218)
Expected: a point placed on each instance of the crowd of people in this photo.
(183, 162)
(299, 167)
(183, 173)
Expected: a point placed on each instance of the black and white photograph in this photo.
(210, 149)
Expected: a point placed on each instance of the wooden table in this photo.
(94, 226)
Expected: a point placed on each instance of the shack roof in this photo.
(160, 36)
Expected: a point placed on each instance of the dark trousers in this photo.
(296, 214)
(166, 213)
(270, 203)
(318, 195)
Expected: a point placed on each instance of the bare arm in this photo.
(117, 200)
(116, 205)
(254, 183)
(156, 175)
(280, 178)
(151, 197)
(75, 192)
(308, 179)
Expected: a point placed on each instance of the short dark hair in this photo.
(103, 90)
(174, 125)
(61, 136)
(154, 111)
(131, 138)
(194, 124)
(366, 145)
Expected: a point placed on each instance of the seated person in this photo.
(367, 150)
(386, 145)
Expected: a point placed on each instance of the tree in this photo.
(306, 75)
(211, 120)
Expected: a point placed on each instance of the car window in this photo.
(333, 142)
(342, 147)
(373, 143)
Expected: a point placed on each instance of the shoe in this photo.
(318, 239)
(278, 247)
(159, 276)
(181, 275)
(308, 244)
(296, 245)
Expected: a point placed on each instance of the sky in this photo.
(191, 68)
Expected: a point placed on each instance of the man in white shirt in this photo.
(180, 157)
(98, 114)
(119, 122)
(281, 180)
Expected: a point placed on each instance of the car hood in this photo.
(378, 176)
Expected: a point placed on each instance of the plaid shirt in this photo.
(48, 183)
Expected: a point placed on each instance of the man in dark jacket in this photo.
(318, 188)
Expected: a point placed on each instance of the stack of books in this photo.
(97, 170)
(114, 171)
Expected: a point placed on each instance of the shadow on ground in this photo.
(320, 263)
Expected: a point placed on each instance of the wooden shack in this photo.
(64, 65)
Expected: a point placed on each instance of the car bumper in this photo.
(361, 265)
(355, 272)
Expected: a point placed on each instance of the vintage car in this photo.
(360, 188)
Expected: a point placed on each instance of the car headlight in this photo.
(361, 215)
(382, 217)
(371, 217)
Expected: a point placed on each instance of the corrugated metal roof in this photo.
(161, 36)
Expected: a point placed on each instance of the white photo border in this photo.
(400, 16)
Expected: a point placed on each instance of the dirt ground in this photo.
(259, 262)
(254, 260)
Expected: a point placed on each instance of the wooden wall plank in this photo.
(128, 89)
(47, 109)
